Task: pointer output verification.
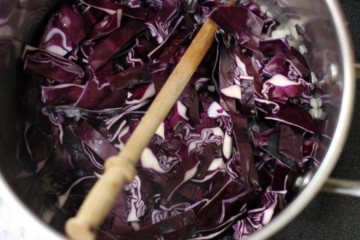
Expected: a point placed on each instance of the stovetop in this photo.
(326, 217)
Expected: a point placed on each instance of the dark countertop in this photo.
(332, 216)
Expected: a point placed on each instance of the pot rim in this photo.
(303, 199)
(27, 217)
(340, 135)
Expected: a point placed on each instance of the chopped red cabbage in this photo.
(224, 161)
(66, 29)
(52, 66)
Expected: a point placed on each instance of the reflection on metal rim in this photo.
(314, 185)
(27, 216)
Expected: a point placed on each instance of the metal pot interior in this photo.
(325, 45)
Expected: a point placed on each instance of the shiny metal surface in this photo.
(342, 187)
(7, 193)
(357, 69)
(332, 55)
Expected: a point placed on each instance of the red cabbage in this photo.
(160, 22)
(224, 161)
(103, 51)
(55, 67)
(66, 29)
(60, 94)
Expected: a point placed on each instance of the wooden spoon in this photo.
(120, 169)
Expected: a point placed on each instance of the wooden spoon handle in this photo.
(100, 199)
(120, 170)
(170, 92)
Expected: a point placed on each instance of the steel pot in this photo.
(327, 47)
